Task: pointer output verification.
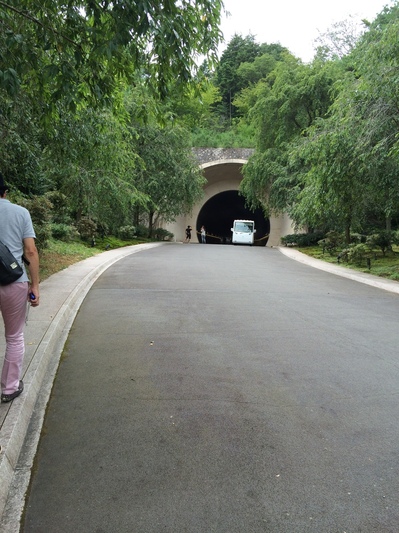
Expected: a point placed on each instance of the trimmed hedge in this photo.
(302, 239)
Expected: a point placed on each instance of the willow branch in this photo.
(38, 22)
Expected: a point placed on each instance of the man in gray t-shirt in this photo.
(17, 233)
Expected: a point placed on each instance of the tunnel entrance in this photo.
(219, 212)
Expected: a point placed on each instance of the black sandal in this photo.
(9, 397)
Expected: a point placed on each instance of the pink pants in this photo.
(13, 302)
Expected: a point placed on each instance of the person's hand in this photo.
(33, 296)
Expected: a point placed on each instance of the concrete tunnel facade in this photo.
(222, 204)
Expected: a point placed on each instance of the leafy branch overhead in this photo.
(82, 48)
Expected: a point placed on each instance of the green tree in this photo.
(372, 99)
(239, 50)
(347, 163)
(89, 159)
(251, 72)
(80, 49)
(379, 100)
(287, 102)
(195, 109)
(21, 145)
(169, 175)
(334, 191)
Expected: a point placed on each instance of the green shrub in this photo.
(64, 232)
(40, 209)
(309, 239)
(302, 239)
(358, 238)
(141, 231)
(102, 229)
(382, 240)
(357, 253)
(127, 233)
(43, 235)
(161, 234)
(289, 240)
(87, 228)
(343, 255)
(60, 213)
(395, 237)
(239, 136)
(332, 241)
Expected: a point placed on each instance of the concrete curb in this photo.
(362, 277)
(20, 431)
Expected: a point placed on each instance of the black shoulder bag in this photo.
(10, 269)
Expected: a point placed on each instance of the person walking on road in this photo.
(17, 233)
(188, 234)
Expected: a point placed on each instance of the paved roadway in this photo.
(222, 389)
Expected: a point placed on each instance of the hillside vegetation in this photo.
(99, 111)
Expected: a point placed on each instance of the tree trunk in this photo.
(150, 223)
(347, 234)
(348, 224)
(79, 214)
(136, 216)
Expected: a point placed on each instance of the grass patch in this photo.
(383, 266)
(60, 255)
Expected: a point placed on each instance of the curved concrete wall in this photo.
(224, 174)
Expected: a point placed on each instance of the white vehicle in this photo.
(243, 232)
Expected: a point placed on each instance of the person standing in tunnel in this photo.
(188, 234)
(203, 235)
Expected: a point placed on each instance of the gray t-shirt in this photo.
(15, 225)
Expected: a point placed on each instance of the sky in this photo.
(294, 24)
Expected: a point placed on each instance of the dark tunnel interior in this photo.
(219, 212)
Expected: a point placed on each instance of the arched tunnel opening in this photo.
(219, 213)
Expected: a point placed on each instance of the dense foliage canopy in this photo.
(80, 49)
(83, 107)
(327, 133)
(99, 101)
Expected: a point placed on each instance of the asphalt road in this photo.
(223, 389)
